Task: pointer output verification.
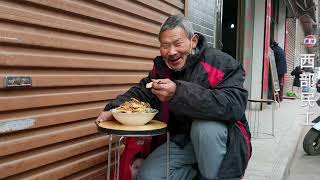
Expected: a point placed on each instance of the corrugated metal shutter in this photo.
(290, 51)
(79, 54)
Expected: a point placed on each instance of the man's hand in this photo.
(104, 116)
(164, 89)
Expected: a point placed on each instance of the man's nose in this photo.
(172, 50)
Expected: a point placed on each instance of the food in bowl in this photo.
(134, 113)
(133, 106)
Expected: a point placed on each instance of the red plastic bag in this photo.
(135, 151)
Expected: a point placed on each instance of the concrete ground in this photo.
(304, 166)
(272, 155)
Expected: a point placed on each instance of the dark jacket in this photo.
(280, 59)
(296, 73)
(209, 88)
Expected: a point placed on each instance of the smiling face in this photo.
(175, 47)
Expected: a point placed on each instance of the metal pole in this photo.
(258, 114)
(109, 157)
(249, 116)
(273, 109)
(255, 120)
(115, 160)
(168, 155)
(118, 171)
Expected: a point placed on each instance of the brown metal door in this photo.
(67, 59)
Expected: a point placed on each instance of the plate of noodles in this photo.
(134, 113)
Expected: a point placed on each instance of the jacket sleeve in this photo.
(139, 92)
(226, 102)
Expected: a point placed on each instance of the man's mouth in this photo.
(174, 59)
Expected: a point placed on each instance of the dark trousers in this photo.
(207, 148)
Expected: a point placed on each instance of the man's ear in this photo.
(194, 41)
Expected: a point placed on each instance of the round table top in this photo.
(152, 128)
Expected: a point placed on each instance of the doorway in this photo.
(230, 27)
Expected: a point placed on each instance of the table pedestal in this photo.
(114, 128)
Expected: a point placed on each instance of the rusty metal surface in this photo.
(80, 55)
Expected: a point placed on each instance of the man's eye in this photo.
(165, 46)
(178, 44)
